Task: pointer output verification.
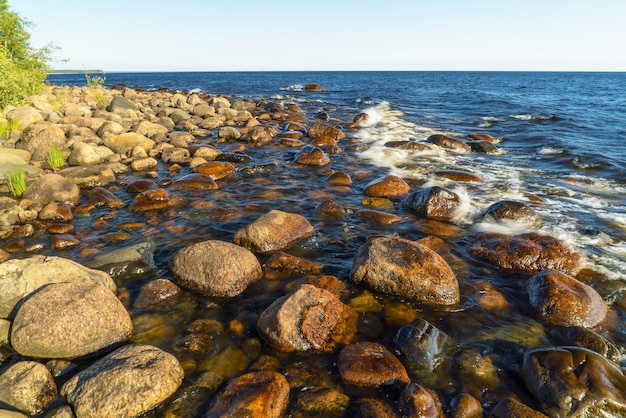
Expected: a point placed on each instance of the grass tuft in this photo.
(55, 158)
(17, 182)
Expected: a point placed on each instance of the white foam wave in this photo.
(551, 151)
(294, 87)
(523, 116)
(491, 119)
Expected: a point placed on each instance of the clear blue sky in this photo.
(231, 35)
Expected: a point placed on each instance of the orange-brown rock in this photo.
(256, 395)
(482, 137)
(434, 203)
(339, 178)
(157, 199)
(406, 269)
(320, 128)
(513, 408)
(216, 169)
(63, 241)
(530, 252)
(330, 210)
(310, 155)
(370, 364)
(274, 231)
(196, 181)
(139, 186)
(100, 196)
(409, 145)
(418, 401)
(390, 186)
(281, 265)
(159, 293)
(449, 143)
(458, 175)
(371, 408)
(513, 212)
(56, 212)
(314, 87)
(378, 217)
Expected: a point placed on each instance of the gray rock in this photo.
(21, 277)
(39, 138)
(121, 103)
(25, 116)
(89, 176)
(69, 320)
(87, 154)
(126, 261)
(422, 345)
(215, 268)
(126, 383)
(406, 269)
(126, 142)
(512, 211)
(27, 386)
(53, 187)
(274, 231)
(110, 128)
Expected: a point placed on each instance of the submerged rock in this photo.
(449, 143)
(128, 382)
(512, 211)
(422, 345)
(369, 364)
(126, 261)
(418, 401)
(562, 300)
(274, 231)
(308, 319)
(390, 186)
(215, 268)
(406, 269)
(157, 199)
(573, 381)
(69, 320)
(434, 203)
(531, 252)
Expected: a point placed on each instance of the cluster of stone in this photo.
(56, 314)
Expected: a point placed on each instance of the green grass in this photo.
(55, 158)
(8, 126)
(17, 182)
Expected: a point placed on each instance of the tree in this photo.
(22, 67)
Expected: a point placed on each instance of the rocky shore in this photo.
(196, 255)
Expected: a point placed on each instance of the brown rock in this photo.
(433, 203)
(562, 300)
(378, 217)
(449, 143)
(157, 199)
(390, 186)
(144, 164)
(281, 265)
(274, 231)
(320, 400)
(320, 128)
(56, 212)
(512, 211)
(418, 401)
(308, 319)
(63, 241)
(256, 395)
(159, 293)
(458, 175)
(310, 155)
(371, 408)
(39, 138)
(139, 186)
(258, 135)
(330, 210)
(339, 178)
(314, 87)
(369, 364)
(89, 176)
(216, 169)
(53, 187)
(482, 137)
(573, 381)
(512, 408)
(125, 143)
(465, 406)
(100, 196)
(196, 181)
(27, 386)
(126, 383)
(407, 269)
(530, 252)
(409, 145)
(68, 320)
(215, 268)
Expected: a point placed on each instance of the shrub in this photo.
(55, 158)
(17, 182)
(95, 83)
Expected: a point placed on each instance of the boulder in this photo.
(100, 196)
(320, 129)
(56, 212)
(274, 231)
(157, 294)
(512, 408)
(256, 394)
(27, 386)
(216, 169)
(25, 116)
(459, 175)
(434, 203)
(196, 181)
(510, 211)
(119, 103)
(409, 145)
(69, 320)
(215, 268)
(419, 401)
(310, 155)
(531, 252)
(322, 401)
(126, 142)
(110, 128)
(406, 269)
(378, 217)
(89, 176)
(390, 186)
(586, 338)
(21, 277)
(448, 143)
(281, 265)
(422, 345)
(126, 261)
(150, 129)
(314, 87)
(154, 199)
(88, 154)
(39, 138)
(308, 319)
(128, 382)
(370, 364)
(53, 187)
(574, 381)
(560, 299)
(484, 147)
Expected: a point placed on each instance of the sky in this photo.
(278, 35)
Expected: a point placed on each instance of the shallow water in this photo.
(561, 149)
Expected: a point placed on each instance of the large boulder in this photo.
(69, 320)
(320, 129)
(53, 187)
(89, 176)
(308, 319)
(128, 382)
(256, 394)
(574, 381)
(25, 116)
(21, 277)
(510, 211)
(39, 138)
(370, 364)
(434, 203)
(274, 231)
(88, 154)
(531, 252)
(125, 143)
(449, 143)
(27, 386)
(215, 268)
(390, 186)
(406, 269)
(560, 299)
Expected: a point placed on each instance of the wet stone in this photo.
(465, 405)
(157, 199)
(586, 338)
(512, 408)
(216, 169)
(60, 228)
(100, 196)
(53, 187)
(281, 265)
(330, 210)
(63, 241)
(390, 186)
(378, 217)
(573, 381)
(371, 408)
(560, 299)
(408, 145)
(458, 175)
(126, 261)
(434, 203)
(56, 212)
(422, 345)
(320, 128)
(234, 157)
(370, 364)
(196, 181)
(406, 269)
(273, 231)
(513, 212)
(484, 147)
(339, 178)
(322, 401)
(418, 401)
(27, 386)
(449, 143)
(331, 283)
(140, 186)
(259, 169)
(310, 155)
(256, 394)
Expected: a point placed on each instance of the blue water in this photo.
(563, 135)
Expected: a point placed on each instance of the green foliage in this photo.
(17, 182)
(8, 126)
(22, 67)
(95, 80)
(95, 83)
(55, 158)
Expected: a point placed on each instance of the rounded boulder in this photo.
(274, 231)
